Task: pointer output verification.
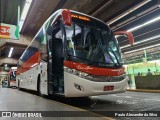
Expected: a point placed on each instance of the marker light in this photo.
(34, 64)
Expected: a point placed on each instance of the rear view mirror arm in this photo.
(128, 34)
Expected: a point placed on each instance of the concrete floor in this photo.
(128, 101)
(15, 100)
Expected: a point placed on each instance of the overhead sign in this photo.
(9, 31)
(80, 17)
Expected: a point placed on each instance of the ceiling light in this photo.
(14, 68)
(145, 40)
(142, 48)
(144, 24)
(24, 13)
(128, 12)
(10, 52)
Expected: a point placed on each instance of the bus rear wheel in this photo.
(38, 86)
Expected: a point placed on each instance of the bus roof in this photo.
(57, 13)
(87, 16)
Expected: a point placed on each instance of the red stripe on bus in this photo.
(94, 70)
(35, 60)
(30, 63)
(69, 64)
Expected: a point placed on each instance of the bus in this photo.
(73, 55)
(12, 77)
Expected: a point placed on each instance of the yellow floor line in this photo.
(108, 118)
(141, 90)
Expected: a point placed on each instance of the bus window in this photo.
(55, 62)
(78, 40)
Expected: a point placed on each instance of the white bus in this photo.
(12, 77)
(75, 55)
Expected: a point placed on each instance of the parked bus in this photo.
(12, 75)
(75, 55)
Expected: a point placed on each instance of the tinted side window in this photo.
(29, 53)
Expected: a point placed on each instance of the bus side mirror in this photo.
(128, 34)
(66, 16)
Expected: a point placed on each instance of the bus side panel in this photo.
(28, 79)
(28, 72)
(43, 78)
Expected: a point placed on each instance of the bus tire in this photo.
(38, 86)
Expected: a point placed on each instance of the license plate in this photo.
(108, 88)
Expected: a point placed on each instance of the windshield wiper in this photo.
(102, 62)
(100, 45)
(115, 56)
(69, 55)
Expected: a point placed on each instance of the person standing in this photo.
(149, 72)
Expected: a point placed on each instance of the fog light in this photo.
(79, 87)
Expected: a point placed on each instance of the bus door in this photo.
(55, 61)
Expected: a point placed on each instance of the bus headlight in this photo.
(104, 78)
(79, 87)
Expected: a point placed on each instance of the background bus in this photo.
(12, 74)
(74, 55)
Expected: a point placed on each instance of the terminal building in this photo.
(91, 59)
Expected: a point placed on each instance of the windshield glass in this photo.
(92, 43)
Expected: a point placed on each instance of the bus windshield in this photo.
(93, 43)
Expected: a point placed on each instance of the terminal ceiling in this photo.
(136, 12)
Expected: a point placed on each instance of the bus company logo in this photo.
(6, 114)
(84, 68)
(120, 72)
